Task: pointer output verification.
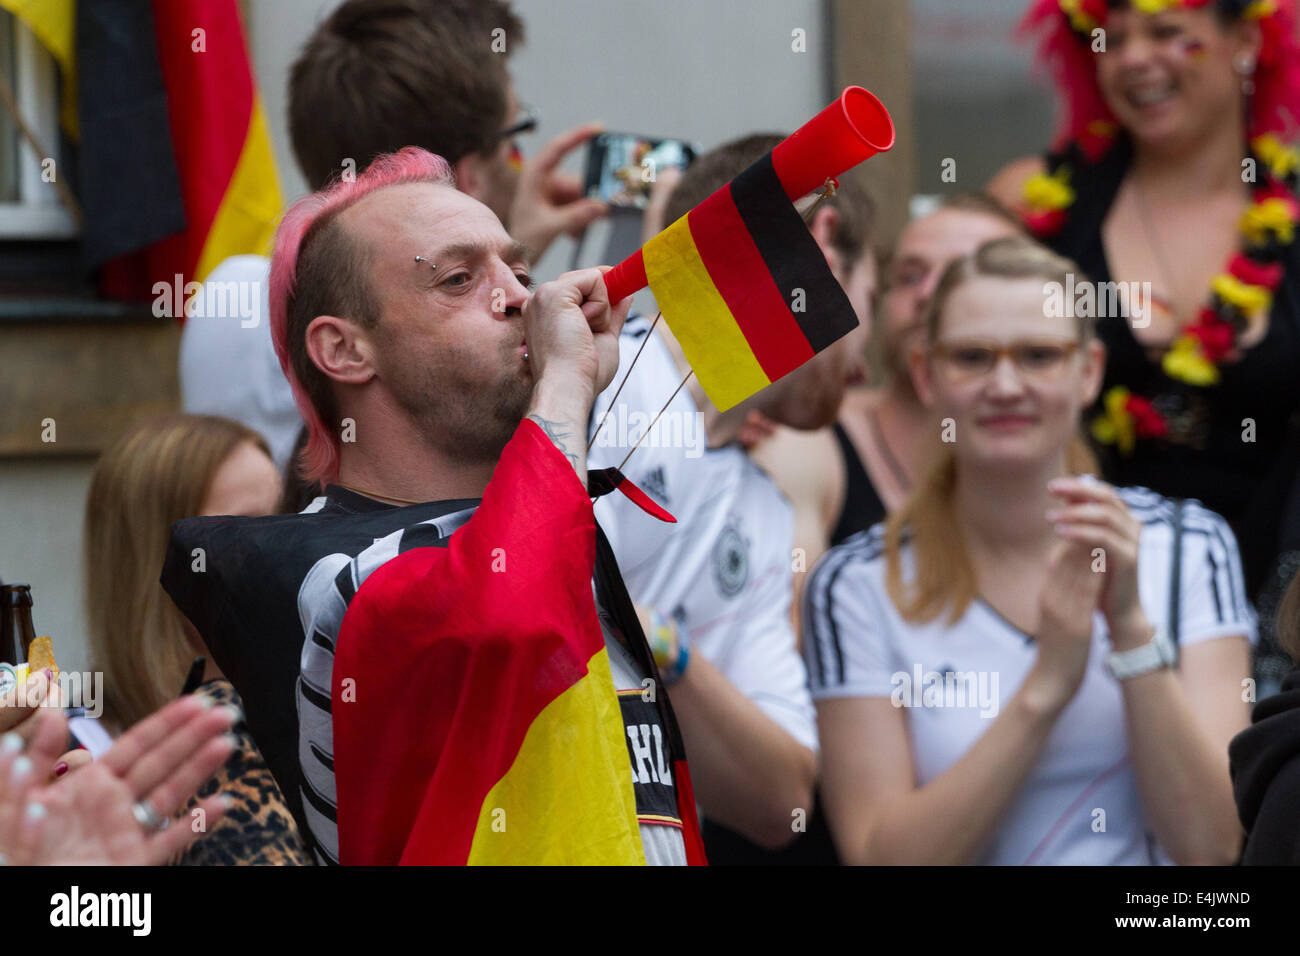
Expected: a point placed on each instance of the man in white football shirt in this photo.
(715, 588)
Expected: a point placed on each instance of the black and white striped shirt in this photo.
(326, 592)
(267, 595)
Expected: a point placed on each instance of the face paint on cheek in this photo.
(515, 159)
(1194, 49)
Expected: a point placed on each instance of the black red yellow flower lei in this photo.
(1240, 296)
(1086, 15)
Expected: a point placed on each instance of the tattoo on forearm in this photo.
(558, 432)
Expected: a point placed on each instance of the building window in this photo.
(30, 206)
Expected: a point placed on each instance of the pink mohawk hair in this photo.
(320, 457)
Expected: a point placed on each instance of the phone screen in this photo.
(621, 167)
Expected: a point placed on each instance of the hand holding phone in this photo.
(622, 168)
(548, 201)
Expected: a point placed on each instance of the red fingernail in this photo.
(49, 674)
(60, 769)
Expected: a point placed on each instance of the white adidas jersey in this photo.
(1079, 804)
(724, 570)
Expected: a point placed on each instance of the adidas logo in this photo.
(656, 486)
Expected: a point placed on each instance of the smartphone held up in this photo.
(621, 167)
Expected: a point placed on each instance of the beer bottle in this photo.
(16, 630)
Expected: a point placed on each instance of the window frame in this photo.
(37, 214)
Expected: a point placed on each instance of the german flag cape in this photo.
(475, 717)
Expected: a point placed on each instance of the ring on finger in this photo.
(147, 816)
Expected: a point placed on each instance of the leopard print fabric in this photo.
(258, 830)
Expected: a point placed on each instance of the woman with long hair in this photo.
(1172, 174)
(162, 470)
(1025, 664)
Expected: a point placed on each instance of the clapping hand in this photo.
(1095, 516)
(114, 810)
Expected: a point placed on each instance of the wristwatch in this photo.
(1156, 653)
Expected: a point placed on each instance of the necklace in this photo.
(1156, 247)
(878, 435)
(1240, 296)
(372, 494)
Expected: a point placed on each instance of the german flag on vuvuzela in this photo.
(739, 279)
(745, 287)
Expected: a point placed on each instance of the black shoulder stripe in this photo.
(345, 582)
(421, 536)
(836, 646)
(816, 599)
(1214, 584)
(1203, 523)
(1175, 612)
(319, 802)
(809, 622)
(1232, 568)
(326, 760)
(314, 695)
(823, 629)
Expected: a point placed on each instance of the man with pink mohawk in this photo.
(441, 590)
(371, 78)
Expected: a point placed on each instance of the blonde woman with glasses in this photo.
(1024, 664)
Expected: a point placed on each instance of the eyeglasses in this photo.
(967, 359)
(525, 124)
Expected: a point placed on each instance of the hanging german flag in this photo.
(745, 288)
(175, 155)
(740, 281)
